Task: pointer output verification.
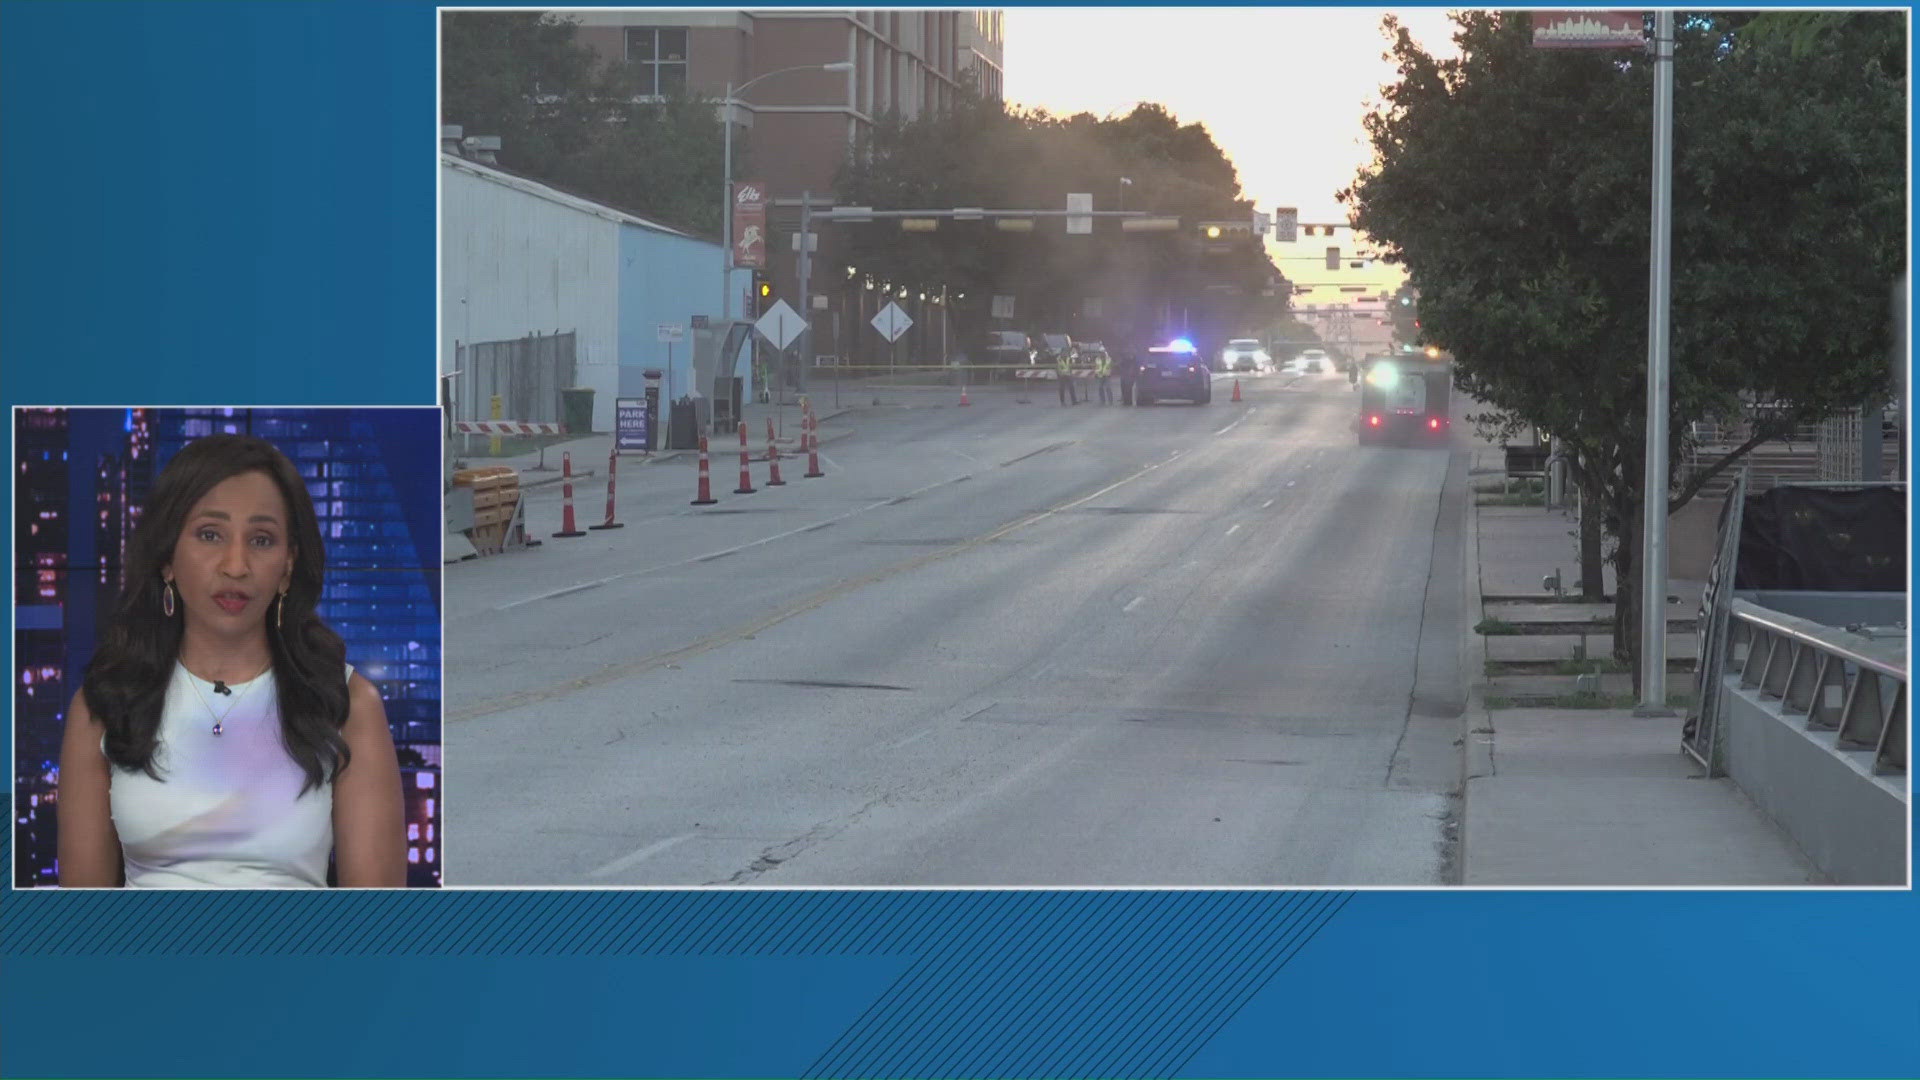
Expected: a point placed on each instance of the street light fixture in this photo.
(726, 197)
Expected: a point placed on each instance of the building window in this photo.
(658, 56)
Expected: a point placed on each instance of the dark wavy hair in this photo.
(126, 681)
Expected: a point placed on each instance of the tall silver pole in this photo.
(726, 217)
(805, 341)
(1653, 548)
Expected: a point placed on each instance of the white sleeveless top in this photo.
(227, 812)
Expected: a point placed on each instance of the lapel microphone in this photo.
(222, 688)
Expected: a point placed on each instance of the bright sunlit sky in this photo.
(1282, 90)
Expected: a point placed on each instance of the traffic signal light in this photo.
(762, 292)
(1227, 230)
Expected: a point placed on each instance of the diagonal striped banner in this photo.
(48, 922)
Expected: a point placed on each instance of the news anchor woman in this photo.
(219, 738)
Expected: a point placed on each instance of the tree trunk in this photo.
(1593, 575)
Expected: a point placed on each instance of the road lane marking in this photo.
(910, 740)
(632, 857)
(712, 555)
(1229, 427)
(642, 665)
(1266, 504)
(1290, 483)
(1134, 603)
(1233, 530)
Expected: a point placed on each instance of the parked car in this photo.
(1089, 353)
(1245, 354)
(1048, 348)
(1008, 349)
(1173, 370)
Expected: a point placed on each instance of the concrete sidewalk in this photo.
(538, 468)
(1563, 796)
(830, 404)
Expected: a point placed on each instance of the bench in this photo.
(1526, 461)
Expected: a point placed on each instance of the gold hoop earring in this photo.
(166, 598)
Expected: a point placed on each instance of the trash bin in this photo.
(683, 428)
(576, 409)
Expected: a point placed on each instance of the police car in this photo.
(1173, 370)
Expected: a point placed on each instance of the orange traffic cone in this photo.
(705, 498)
(812, 435)
(746, 456)
(963, 396)
(612, 456)
(566, 514)
(1236, 389)
(773, 458)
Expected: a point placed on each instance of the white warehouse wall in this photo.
(514, 262)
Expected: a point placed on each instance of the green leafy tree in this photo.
(1513, 184)
(565, 118)
(981, 154)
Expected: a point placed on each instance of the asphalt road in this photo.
(1011, 644)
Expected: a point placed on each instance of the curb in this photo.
(1476, 758)
(664, 456)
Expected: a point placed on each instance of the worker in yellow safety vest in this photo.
(1063, 363)
(1103, 370)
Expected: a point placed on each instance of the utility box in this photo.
(576, 409)
(653, 377)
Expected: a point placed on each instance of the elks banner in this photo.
(750, 224)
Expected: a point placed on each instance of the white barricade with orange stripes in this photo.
(507, 427)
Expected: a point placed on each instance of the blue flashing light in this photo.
(1181, 345)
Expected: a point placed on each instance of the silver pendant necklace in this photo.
(220, 719)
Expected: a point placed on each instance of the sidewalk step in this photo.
(1500, 669)
(1524, 690)
(1530, 648)
(1574, 619)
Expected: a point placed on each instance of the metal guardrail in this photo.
(1838, 688)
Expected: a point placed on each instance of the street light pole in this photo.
(1653, 499)
(726, 197)
(806, 287)
(726, 215)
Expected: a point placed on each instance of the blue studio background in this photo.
(227, 203)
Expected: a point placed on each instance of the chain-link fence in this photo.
(527, 373)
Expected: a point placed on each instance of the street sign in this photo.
(1003, 307)
(1286, 224)
(671, 333)
(780, 325)
(1079, 203)
(700, 322)
(892, 322)
(1588, 30)
(630, 425)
